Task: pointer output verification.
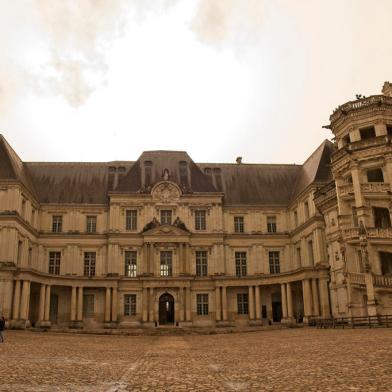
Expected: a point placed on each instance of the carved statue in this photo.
(151, 225)
(180, 224)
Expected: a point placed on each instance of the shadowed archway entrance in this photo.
(166, 309)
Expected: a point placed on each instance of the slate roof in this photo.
(241, 184)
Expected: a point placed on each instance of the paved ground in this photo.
(281, 360)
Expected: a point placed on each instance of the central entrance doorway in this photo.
(166, 309)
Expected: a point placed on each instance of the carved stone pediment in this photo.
(166, 192)
(166, 230)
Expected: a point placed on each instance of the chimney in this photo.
(387, 89)
(239, 160)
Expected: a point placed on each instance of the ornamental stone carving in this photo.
(166, 192)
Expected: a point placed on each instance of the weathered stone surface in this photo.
(281, 360)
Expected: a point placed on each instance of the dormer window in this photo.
(147, 173)
(183, 167)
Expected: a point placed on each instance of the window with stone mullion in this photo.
(54, 263)
(89, 264)
(242, 304)
(200, 220)
(130, 305)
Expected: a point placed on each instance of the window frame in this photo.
(271, 224)
(57, 223)
(274, 262)
(131, 220)
(91, 224)
(200, 220)
(239, 224)
(201, 257)
(166, 217)
(242, 303)
(130, 263)
(90, 262)
(166, 263)
(202, 304)
(54, 262)
(130, 304)
(241, 268)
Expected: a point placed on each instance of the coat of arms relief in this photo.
(166, 192)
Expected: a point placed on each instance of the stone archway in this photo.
(166, 309)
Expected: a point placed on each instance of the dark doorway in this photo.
(382, 218)
(276, 311)
(54, 305)
(166, 309)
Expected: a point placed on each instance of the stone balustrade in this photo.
(375, 187)
(356, 278)
(382, 281)
(376, 232)
(346, 190)
(351, 233)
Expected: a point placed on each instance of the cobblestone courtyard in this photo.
(292, 359)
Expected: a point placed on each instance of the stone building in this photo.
(165, 240)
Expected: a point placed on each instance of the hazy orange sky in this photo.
(84, 80)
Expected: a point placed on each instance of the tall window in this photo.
(306, 208)
(166, 217)
(57, 223)
(239, 224)
(242, 303)
(131, 220)
(271, 224)
(54, 263)
(130, 305)
(310, 252)
(166, 263)
(89, 263)
(130, 264)
(200, 220)
(240, 264)
(274, 262)
(382, 218)
(298, 251)
(91, 224)
(295, 218)
(201, 263)
(202, 304)
(88, 305)
(23, 209)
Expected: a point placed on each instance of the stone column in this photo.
(324, 298)
(24, 303)
(47, 302)
(251, 303)
(182, 300)
(73, 303)
(151, 258)
(188, 304)
(114, 305)
(151, 308)
(145, 266)
(145, 305)
(16, 305)
(307, 297)
(107, 305)
(80, 304)
(257, 302)
(218, 307)
(290, 310)
(224, 303)
(41, 309)
(284, 301)
(316, 307)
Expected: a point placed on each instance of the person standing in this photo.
(2, 327)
